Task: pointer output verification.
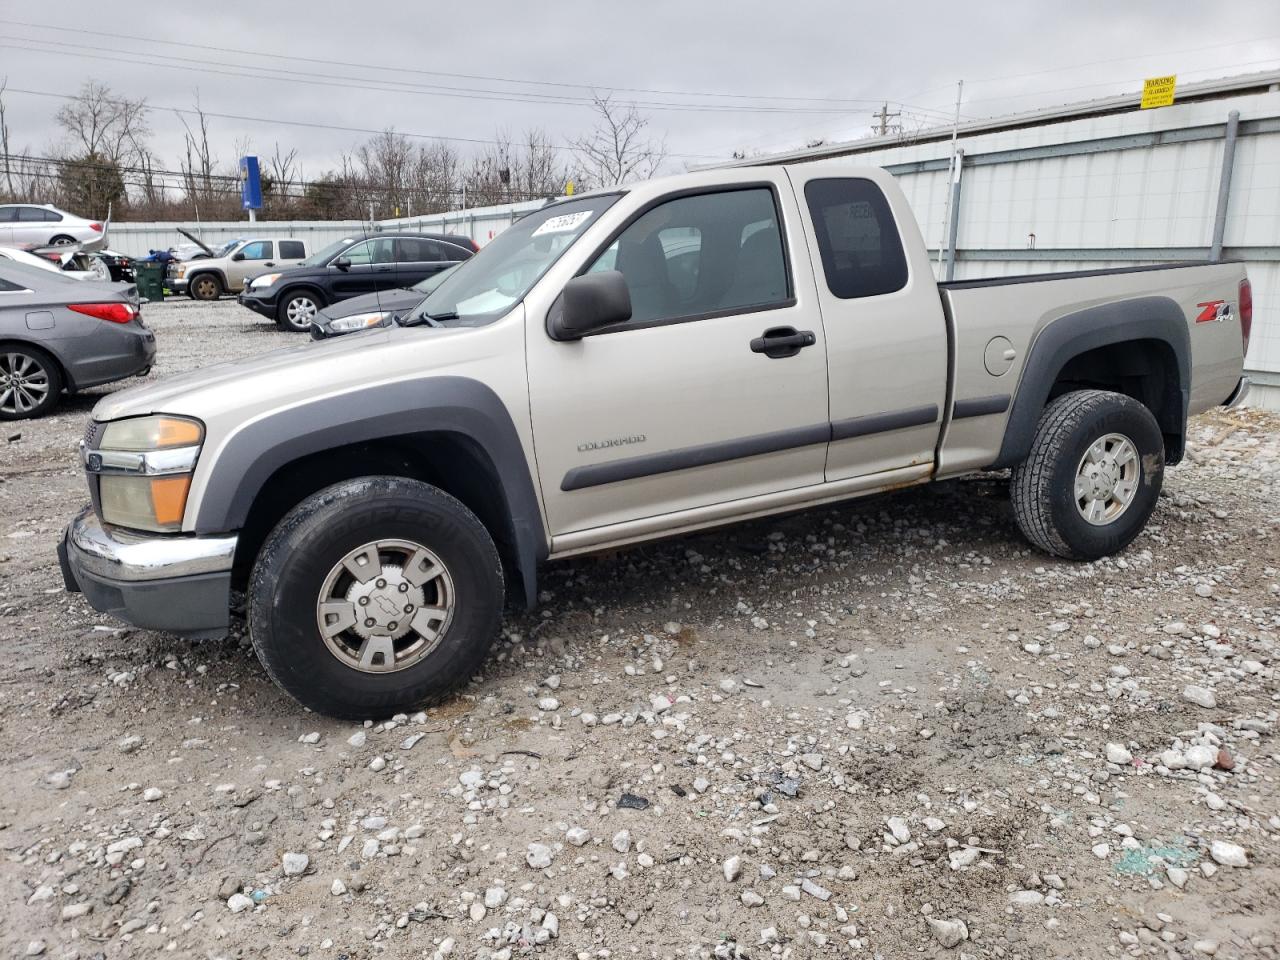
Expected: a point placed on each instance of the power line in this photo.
(315, 125)
(440, 73)
(379, 85)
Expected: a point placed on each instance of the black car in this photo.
(118, 266)
(349, 268)
(372, 309)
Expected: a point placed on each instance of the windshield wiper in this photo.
(430, 319)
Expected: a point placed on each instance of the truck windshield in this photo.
(484, 287)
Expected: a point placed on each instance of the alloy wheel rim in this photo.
(204, 287)
(1107, 479)
(24, 383)
(385, 606)
(300, 311)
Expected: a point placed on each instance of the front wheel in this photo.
(1093, 476)
(297, 310)
(375, 596)
(204, 286)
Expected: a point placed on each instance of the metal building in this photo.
(1102, 184)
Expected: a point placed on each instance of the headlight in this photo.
(357, 321)
(144, 468)
(266, 280)
(180, 272)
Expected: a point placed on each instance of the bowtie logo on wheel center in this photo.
(385, 605)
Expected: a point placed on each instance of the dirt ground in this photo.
(886, 729)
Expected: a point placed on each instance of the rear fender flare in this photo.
(1142, 318)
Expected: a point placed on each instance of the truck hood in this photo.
(280, 377)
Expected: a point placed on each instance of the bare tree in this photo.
(618, 150)
(104, 126)
(199, 161)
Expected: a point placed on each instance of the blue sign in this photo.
(250, 184)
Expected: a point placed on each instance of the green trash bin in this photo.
(150, 279)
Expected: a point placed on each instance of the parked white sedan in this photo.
(31, 225)
(42, 263)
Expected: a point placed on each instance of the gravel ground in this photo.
(883, 729)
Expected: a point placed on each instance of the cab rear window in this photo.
(857, 238)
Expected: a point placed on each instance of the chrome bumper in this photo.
(178, 584)
(1239, 394)
(115, 554)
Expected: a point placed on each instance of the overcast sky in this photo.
(371, 64)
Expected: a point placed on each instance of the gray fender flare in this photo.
(1142, 318)
(457, 405)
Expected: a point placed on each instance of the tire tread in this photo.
(1031, 488)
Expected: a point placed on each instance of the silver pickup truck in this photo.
(620, 366)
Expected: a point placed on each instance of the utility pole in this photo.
(883, 116)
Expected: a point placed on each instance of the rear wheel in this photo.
(373, 596)
(30, 382)
(297, 309)
(61, 240)
(1093, 476)
(205, 286)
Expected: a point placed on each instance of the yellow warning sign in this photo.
(1158, 91)
(568, 189)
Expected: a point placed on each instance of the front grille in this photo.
(92, 437)
(93, 433)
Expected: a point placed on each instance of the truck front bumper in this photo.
(179, 584)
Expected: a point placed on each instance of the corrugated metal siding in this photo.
(1130, 200)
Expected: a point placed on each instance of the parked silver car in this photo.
(40, 225)
(58, 333)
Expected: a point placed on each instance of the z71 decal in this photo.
(1213, 310)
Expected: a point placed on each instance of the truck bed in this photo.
(989, 324)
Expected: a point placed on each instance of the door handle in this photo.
(268, 264)
(382, 269)
(779, 342)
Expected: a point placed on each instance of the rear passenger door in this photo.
(886, 332)
(290, 253)
(418, 258)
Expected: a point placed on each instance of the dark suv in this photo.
(349, 268)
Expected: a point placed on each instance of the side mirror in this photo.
(343, 264)
(589, 302)
(238, 256)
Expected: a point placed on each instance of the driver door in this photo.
(680, 415)
(372, 267)
(256, 259)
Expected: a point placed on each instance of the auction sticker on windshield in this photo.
(565, 223)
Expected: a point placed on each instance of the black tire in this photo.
(293, 312)
(61, 240)
(25, 371)
(304, 551)
(204, 286)
(1044, 486)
